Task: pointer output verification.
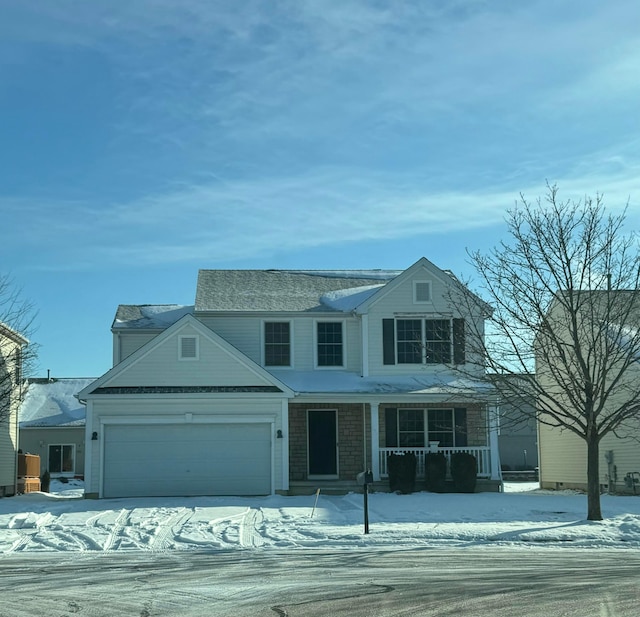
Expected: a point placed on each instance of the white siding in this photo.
(160, 366)
(8, 423)
(245, 334)
(130, 342)
(401, 300)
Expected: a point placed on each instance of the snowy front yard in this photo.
(521, 516)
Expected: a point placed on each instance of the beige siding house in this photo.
(285, 381)
(52, 425)
(563, 454)
(11, 385)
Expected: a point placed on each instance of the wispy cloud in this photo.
(226, 222)
(242, 128)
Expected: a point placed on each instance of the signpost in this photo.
(365, 478)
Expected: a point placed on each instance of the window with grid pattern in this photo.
(409, 343)
(277, 343)
(330, 347)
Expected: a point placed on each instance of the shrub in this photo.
(45, 481)
(464, 472)
(435, 469)
(402, 472)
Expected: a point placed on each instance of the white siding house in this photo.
(281, 381)
(11, 385)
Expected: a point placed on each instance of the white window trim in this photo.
(263, 345)
(315, 345)
(415, 292)
(423, 342)
(425, 421)
(181, 358)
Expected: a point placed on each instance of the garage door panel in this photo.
(200, 459)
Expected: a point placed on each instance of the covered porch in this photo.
(482, 455)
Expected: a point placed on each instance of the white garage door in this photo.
(191, 459)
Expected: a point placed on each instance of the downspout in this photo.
(15, 475)
(364, 333)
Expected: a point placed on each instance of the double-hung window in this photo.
(277, 343)
(437, 341)
(414, 428)
(330, 347)
(423, 341)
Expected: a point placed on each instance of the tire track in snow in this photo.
(27, 530)
(115, 534)
(249, 534)
(161, 540)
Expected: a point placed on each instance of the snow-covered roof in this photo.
(284, 290)
(344, 382)
(53, 403)
(151, 316)
(349, 299)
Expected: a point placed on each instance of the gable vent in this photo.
(188, 347)
(422, 291)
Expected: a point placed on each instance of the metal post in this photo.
(366, 508)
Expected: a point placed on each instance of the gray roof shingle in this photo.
(278, 290)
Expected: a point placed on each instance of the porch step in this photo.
(327, 487)
(342, 487)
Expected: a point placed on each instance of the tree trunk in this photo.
(593, 479)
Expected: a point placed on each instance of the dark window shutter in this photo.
(458, 341)
(460, 426)
(391, 427)
(388, 341)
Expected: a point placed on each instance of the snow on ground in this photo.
(523, 515)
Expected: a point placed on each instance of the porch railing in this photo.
(482, 454)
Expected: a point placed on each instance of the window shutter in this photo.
(391, 427)
(460, 426)
(459, 341)
(388, 341)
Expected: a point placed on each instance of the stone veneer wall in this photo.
(353, 432)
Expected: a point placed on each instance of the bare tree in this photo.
(566, 320)
(17, 353)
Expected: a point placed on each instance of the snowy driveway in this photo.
(42, 522)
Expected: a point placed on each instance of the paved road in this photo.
(311, 583)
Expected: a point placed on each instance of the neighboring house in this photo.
(563, 455)
(283, 381)
(52, 425)
(11, 351)
(518, 431)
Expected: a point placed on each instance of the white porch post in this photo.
(285, 445)
(375, 442)
(496, 472)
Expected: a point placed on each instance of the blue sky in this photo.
(144, 140)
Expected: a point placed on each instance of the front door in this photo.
(323, 446)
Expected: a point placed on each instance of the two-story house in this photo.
(11, 352)
(600, 353)
(282, 381)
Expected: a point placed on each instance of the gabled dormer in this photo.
(413, 323)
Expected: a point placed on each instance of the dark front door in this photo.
(323, 447)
